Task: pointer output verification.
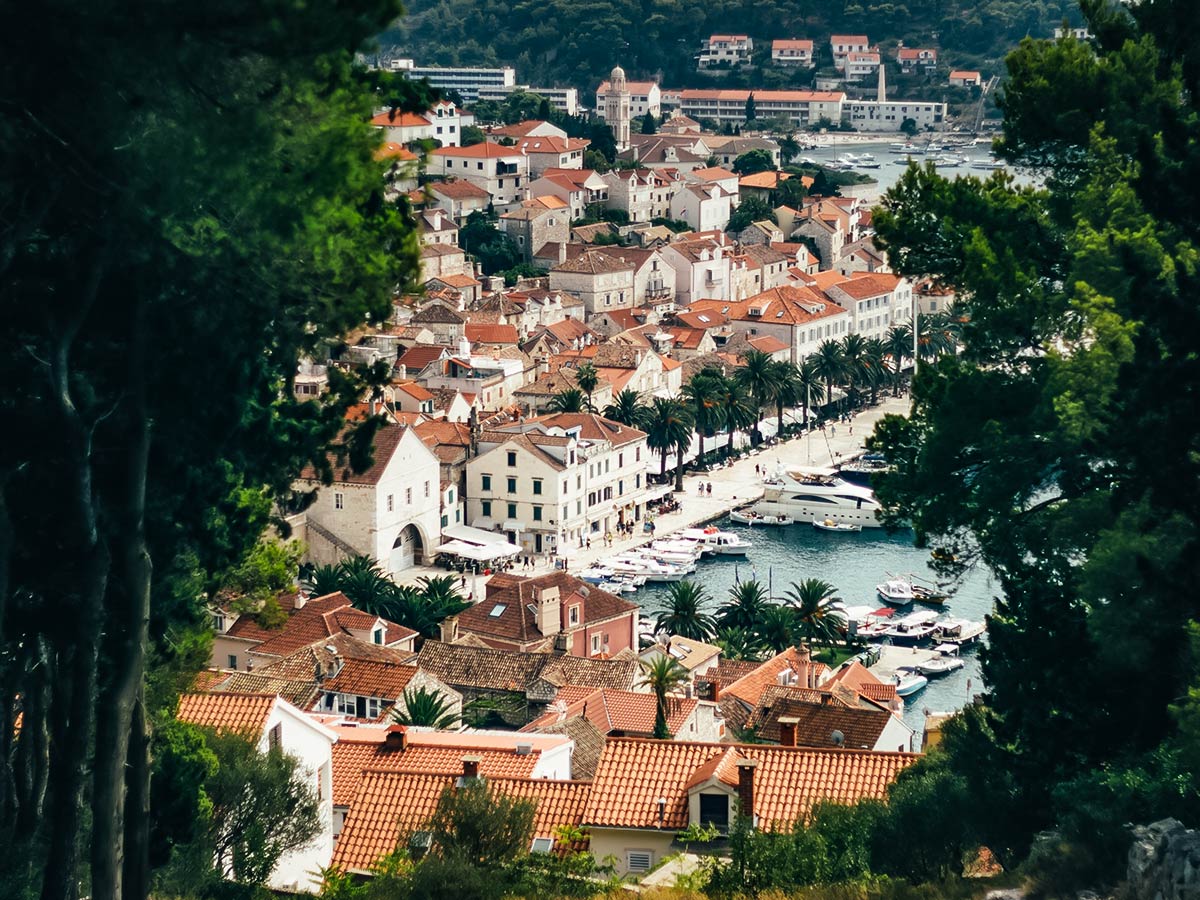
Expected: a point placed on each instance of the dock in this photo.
(892, 658)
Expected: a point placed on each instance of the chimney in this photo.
(300, 599)
(549, 610)
(745, 788)
(449, 629)
(787, 731)
(470, 767)
(396, 739)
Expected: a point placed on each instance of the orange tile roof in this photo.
(785, 44)
(634, 773)
(243, 713)
(458, 190)
(750, 687)
(392, 150)
(868, 285)
(486, 150)
(858, 677)
(397, 119)
(628, 713)
(848, 39)
(963, 73)
(365, 749)
(712, 173)
(768, 180)
(826, 280)
(319, 618)
(390, 806)
(414, 390)
(491, 334)
(763, 96)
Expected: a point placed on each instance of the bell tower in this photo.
(617, 107)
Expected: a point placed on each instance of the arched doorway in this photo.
(407, 549)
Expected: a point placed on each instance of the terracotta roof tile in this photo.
(623, 713)
(458, 190)
(868, 285)
(390, 806)
(633, 774)
(319, 618)
(505, 670)
(300, 693)
(491, 334)
(242, 713)
(751, 686)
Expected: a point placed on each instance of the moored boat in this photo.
(945, 662)
(959, 631)
(909, 681)
(748, 516)
(831, 524)
(808, 494)
(723, 543)
(903, 591)
(912, 629)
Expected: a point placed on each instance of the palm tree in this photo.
(899, 345)
(703, 396)
(668, 426)
(665, 677)
(788, 390)
(854, 354)
(789, 148)
(441, 596)
(738, 643)
(812, 602)
(758, 376)
(587, 377)
(736, 411)
(425, 708)
(874, 366)
(322, 580)
(777, 628)
(682, 615)
(569, 400)
(626, 408)
(808, 385)
(366, 586)
(830, 366)
(747, 603)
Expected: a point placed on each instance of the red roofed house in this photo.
(501, 171)
(875, 300)
(602, 281)
(552, 153)
(459, 197)
(557, 611)
(725, 51)
(403, 127)
(535, 224)
(579, 188)
(792, 52)
(526, 129)
(411, 397)
(962, 78)
(631, 714)
(845, 44)
(277, 725)
(910, 58)
(646, 791)
(390, 512)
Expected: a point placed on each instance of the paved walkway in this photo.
(732, 486)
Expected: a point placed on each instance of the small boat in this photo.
(902, 591)
(668, 545)
(750, 517)
(912, 629)
(617, 587)
(723, 543)
(947, 162)
(904, 162)
(902, 148)
(944, 663)
(987, 164)
(596, 575)
(866, 623)
(909, 681)
(866, 164)
(651, 569)
(834, 525)
(959, 631)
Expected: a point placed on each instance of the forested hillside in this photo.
(576, 42)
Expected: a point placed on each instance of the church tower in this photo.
(617, 107)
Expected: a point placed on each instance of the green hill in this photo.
(576, 42)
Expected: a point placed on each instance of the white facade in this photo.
(871, 115)
(491, 379)
(391, 515)
(792, 53)
(725, 51)
(701, 271)
(565, 100)
(447, 122)
(801, 107)
(467, 81)
(843, 45)
(501, 171)
(875, 312)
(644, 97)
(705, 207)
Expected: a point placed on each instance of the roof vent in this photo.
(524, 749)
(838, 738)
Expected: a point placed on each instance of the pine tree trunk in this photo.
(135, 881)
(679, 470)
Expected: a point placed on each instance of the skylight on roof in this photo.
(498, 610)
(703, 318)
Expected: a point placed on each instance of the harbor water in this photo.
(854, 564)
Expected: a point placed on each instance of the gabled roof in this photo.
(767, 180)
(239, 713)
(634, 773)
(397, 119)
(551, 144)
(783, 305)
(390, 806)
(861, 679)
(818, 714)
(491, 334)
(592, 262)
(519, 129)
(386, 440)
(867, 284)
(749, 688)
(413, 390)
(590, 426)
(301, 693)
(486, 150)
(438, 313)
(392, 150)
(319, 618)
(791, 44)
(460, 189)
(623, 713)
(711, 173)
(589, 744)
(418, 356)
(508, 670)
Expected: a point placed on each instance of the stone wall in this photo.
(1164, 862)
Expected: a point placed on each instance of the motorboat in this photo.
(909, 681)
(959, 631)
(905, 161)
(944, 663)
(987, 164)
(750, 517)
(669, 545)
(811, 494)
(831, 524)
(596, 575)
(913, 629)
(947, 162)
(683, 558)
(902, 148)
(862, 469)
(866, 164)
(903, 591)
(617, 587)
(651, 569)
(867, 623)
(723, 543)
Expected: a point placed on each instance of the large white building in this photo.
(875, 301)
(725, 51)
(805, 108)
(644, 97)
(871, 115)
(554, 482)
(565, 100)
(389, 512)
(466, 80)
(501, 171)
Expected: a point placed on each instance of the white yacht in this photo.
(818, 494)
(648, 568)
(952, 630)
(723, 543)
(912, 629)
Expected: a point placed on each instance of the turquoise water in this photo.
(854, 564)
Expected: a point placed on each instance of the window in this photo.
(339, 500)
(542, 845)
(638, 860)
(408, 496)
(573, 615)
(512, 510)
(637, 454)
(450, 496)
(391, 505)
(621, 488)
(374, 707)
(512, 457)
(714, 810)
(537, 485)
(566, 486)
(427, 489)
(232, 661)
(486, 482)
(486, 507)
(275, 737)
(566, 510)
(537, 514)
(637, 481)
(595, 643)
(498, 610)
(512, 485)
(445, 521)
(377, 635)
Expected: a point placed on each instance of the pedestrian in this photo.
(756, 471)
(589, 542)
(851, 427)
(464, 581)
(833, 430)
(710, 489)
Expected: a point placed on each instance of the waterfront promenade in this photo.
(732, 486)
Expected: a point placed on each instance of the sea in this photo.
(889, 172)
(853, 564)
